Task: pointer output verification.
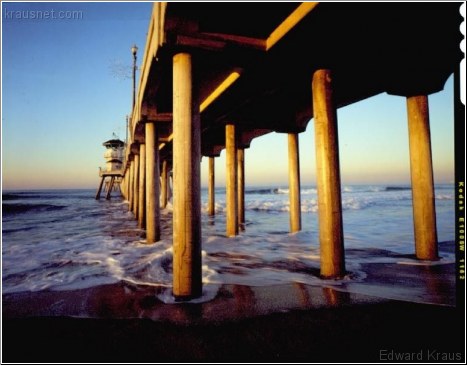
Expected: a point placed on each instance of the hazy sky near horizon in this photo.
(64, 93)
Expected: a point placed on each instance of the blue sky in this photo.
(63, 94)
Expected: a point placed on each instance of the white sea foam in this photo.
(92, 243)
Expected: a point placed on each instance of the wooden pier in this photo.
(209, 83)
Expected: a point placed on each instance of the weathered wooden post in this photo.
(136, 187)
(211, 187)
(231, 180)
(186, 179)
(421, 169)
(123, 187)
(331, 235)
(131, 186)
(99, 189)
(142, 187)
(241, 188)
(152, 183)
(111, 185)
(294, 183)
(164, 184)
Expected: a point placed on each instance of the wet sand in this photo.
(284, 323)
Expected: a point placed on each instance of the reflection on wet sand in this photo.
(422, 282)
(123, 300)
(433, 284)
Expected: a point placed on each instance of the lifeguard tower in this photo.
(111, 175)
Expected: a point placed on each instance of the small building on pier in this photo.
(111, 175)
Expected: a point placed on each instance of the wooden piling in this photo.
(164, 184)
(294, 183)
(125, 185)
(186, 180)
(211, 187)
(421, 169)
(128, 185)
(99, 189)
(111, 185)
(122, 187)
(142, 187)
(231, 180)
(136, 187)
(131, 187)
(328, 177)
(152, 183)
(241, 188)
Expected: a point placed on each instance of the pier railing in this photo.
(105, 172)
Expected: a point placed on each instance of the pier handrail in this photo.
(154, 40)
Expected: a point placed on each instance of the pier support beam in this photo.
(128, 185)
(123, 187)
(241, 188)
(125, 184)
(136, 187)
(186, 179)
(328, 177)
(142, 187)
(211, 187)
(131, 186)
(294, 183)
(111, 185)
(231, 180)
(421, 169)
(165, 184)
(152, 183)
(98, 194)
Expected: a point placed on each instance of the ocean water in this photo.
(65, 239)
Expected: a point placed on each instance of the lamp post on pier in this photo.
(134, 49)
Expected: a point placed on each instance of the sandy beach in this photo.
(295, 322)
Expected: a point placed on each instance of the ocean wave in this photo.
(444, 197)
(397, 188)
(345, 189)
(25, 208)
(261, 191)
(307, 206)
(17, 196)
(33, 195)
(279, 191)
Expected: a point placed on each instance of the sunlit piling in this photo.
(165, 184)
(241, 188)
(132, 187)
(186, 177)
(142, 187)
(421, 169)
(152, 183)
(331, 238)
(231, 180)
(136, 187)
(211, 187)
(294, 183)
